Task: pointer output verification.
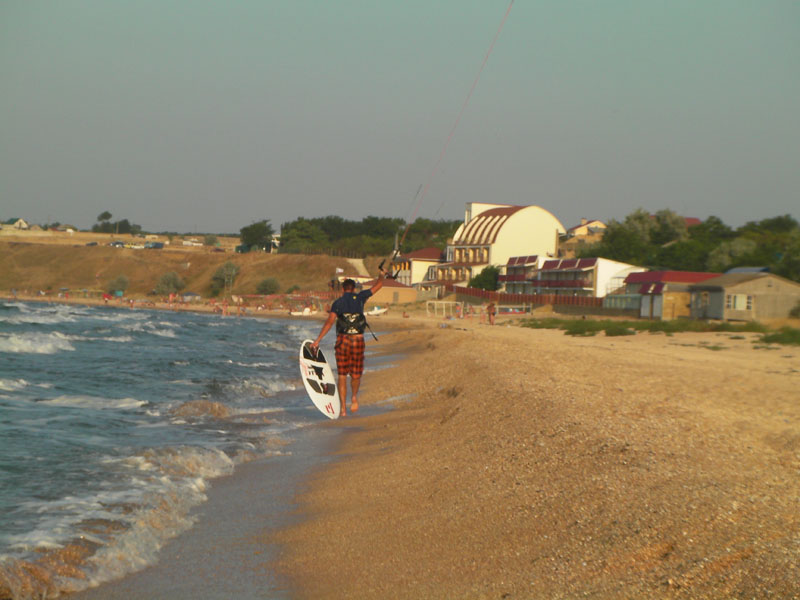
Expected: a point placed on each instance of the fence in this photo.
(542, 299)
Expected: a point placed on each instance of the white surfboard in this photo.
(318, 380)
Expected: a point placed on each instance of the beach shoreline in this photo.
(526, 463)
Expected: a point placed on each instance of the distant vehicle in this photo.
(154, 245)
(217, 249)
(91, 243)
(117, 244)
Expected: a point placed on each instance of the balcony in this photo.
(513, 277)
(563, 283)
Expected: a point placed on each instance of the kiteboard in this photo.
(318, 380)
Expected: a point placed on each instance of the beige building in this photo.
(392, 292)
(744, 297)
(412, 267)
(660, 295)
(493, 233)
(589, 231)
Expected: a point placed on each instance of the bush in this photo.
(785, 335)
(795, 312)
(268, 286)
(486, 279)
(583, 328)
(223, 278)
(170, 283)
(294, 288)
(616, 329)
(120, 284)
(210, 240)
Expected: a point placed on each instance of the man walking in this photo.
(348, 314)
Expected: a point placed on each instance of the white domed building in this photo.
(490, 235)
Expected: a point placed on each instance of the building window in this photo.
(739, 302)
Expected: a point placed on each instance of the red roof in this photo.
(550, 264)
(669, 276)
(569, 264)
(520, 261)
(424, 254)
(692, 221)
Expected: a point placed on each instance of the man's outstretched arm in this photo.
(379, 283)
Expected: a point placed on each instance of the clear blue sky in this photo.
(189, 115)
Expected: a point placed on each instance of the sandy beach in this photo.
(531, 464)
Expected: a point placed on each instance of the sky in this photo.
(204, 116)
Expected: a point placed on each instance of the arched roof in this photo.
(484, 228)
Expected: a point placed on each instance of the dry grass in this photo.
(35, 266)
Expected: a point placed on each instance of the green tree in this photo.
(486, 279)
(120, 284)
(669, 227)
(268, 286)
(210, 240)
(688, 255)
(170, 283)
(257, 235)
(302, 235)
(104, 216)
(711, 232)
(223, 278)
(731, 254)
(789, 264)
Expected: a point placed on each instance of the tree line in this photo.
(371, 235)
(664, 242)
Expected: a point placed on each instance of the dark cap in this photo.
(349, 283)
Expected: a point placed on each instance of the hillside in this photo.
(33, 267)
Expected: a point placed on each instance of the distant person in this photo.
(348, 314)
(491, 310)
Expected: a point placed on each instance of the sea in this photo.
(114, 423)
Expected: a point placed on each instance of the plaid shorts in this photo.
(349, 354)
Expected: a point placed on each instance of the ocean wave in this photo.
(274, 345)
(84, 541)
(264, 386)
(43, 314)
(12, 385)
(94, 402)
(151, 329)
(35, 343)
(254, 365)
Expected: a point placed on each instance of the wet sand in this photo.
(531, 464)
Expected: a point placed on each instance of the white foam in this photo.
(35, 343)
(94, 402)
(164, 485)
(274, 345)
(118, 338)
(253, 365)
(11, 385)
(151, 329)
(39, 315)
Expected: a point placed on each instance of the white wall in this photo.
(607, 270)
(532, 230)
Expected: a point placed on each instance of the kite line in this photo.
(435, 169)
